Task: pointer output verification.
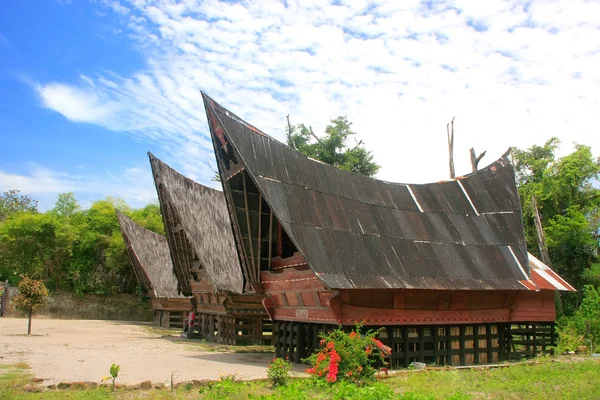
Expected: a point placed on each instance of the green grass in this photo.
(543, 380)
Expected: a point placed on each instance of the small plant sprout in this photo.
(114, 373)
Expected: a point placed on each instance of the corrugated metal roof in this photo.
(545, 278)
(149, 254)
(359, 232)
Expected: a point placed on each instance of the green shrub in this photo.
(279, 371)
(348, 356)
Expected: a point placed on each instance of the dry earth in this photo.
(83, 350)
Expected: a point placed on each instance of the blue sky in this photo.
(88, 87)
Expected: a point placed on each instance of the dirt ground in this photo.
(83, 350)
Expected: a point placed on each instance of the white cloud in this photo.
(512, 73)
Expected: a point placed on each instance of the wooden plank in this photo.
(270, 236)
(259, 236)
(255, 279)
(534, 334)
(285, 338)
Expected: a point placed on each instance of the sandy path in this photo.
(83, 350)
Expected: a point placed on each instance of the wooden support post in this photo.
(434, 336)
(301, 342)
(279, 239)
(405, 346)
(392, 343)
(259, 236)
(270, 237)
(488, 342)
(502, 356)
(508, 340)
(448, 345)
(254, 279)
(462, 344)
(285, 337)
(421, 333)
(534, 337)
(476, 344)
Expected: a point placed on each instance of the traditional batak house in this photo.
(442, 267)
(149, 255)
(205, 260)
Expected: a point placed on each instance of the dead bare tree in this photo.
(475, 159)
(450, 131)
(544, 247)
(289, 132)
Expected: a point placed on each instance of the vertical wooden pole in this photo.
(405, 345)
(392, 342)
(448, 345)
(476, 343)
(279, 240)
(462, 344)
(285, 338)
(260, 200)
(248, 225)
(421, 333)
(502, 342)
(301, 342)
(488, 342)
(508, 340)
(534, 337)
(270, 237)
(434, 336)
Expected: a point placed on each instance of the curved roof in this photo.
(149, 254)
(198, 229)
(360, 232)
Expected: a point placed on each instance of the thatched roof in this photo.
(149, 254)
(359, 232)
(198, 229)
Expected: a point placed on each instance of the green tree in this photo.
(568, 204)
(333, 147)
(12, 202)
(38, 245)
(66, 205)
(32, 295)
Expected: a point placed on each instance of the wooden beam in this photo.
(270, 236)
(434, 336)
(260, 200)
(237, 230)
(248, 226)
(279, 239)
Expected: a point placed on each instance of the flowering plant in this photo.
(348, 356)
(278, 371)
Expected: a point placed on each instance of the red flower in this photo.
(349, 373)
(353, 335)
(322, 341)
(330, 345)
(360, 368)
(310, 371)
(385, 370)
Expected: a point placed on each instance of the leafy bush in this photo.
(348, 356)
(279, 371)
(573, 331)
